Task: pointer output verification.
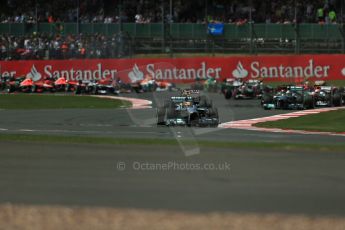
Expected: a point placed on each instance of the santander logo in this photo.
(343, 71)
(136, 74)
(34, 74)
(239, 72)
(257, 69)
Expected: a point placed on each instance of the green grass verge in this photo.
(333, 121)
(57, 101)
(167, 142)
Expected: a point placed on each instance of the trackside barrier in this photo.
(291, 68)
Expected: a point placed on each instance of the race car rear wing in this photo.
(296, 88)
(188, 92)
(182, 99)
(326, 88)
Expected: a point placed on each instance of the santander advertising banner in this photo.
(184, 70)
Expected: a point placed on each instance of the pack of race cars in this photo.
(191, 108)
(303, 97)
(294, 96)
(238, 89)
(61, 84)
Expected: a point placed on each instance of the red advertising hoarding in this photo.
(183, 70)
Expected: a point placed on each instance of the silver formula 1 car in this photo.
(290, 97)
(194, 111)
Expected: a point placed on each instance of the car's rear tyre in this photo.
(267, 99)
(335, 99)
(309, 102)
(213, 112)
(193, 120)
(228, 94)
(161, 116)
(77, 90)
(33, 89)
(171, 112)
(204, 102)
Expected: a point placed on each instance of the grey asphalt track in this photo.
(265, 181)
(141, 123)
(88, 175)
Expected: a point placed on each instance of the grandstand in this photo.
(110, 29)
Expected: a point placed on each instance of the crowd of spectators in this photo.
(281, 11)
(55, 46)
(193, 11)
(43, 46)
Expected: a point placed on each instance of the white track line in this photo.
(27, 130)
(136, 103)
(249, 124)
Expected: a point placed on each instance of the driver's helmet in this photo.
(187, 103)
